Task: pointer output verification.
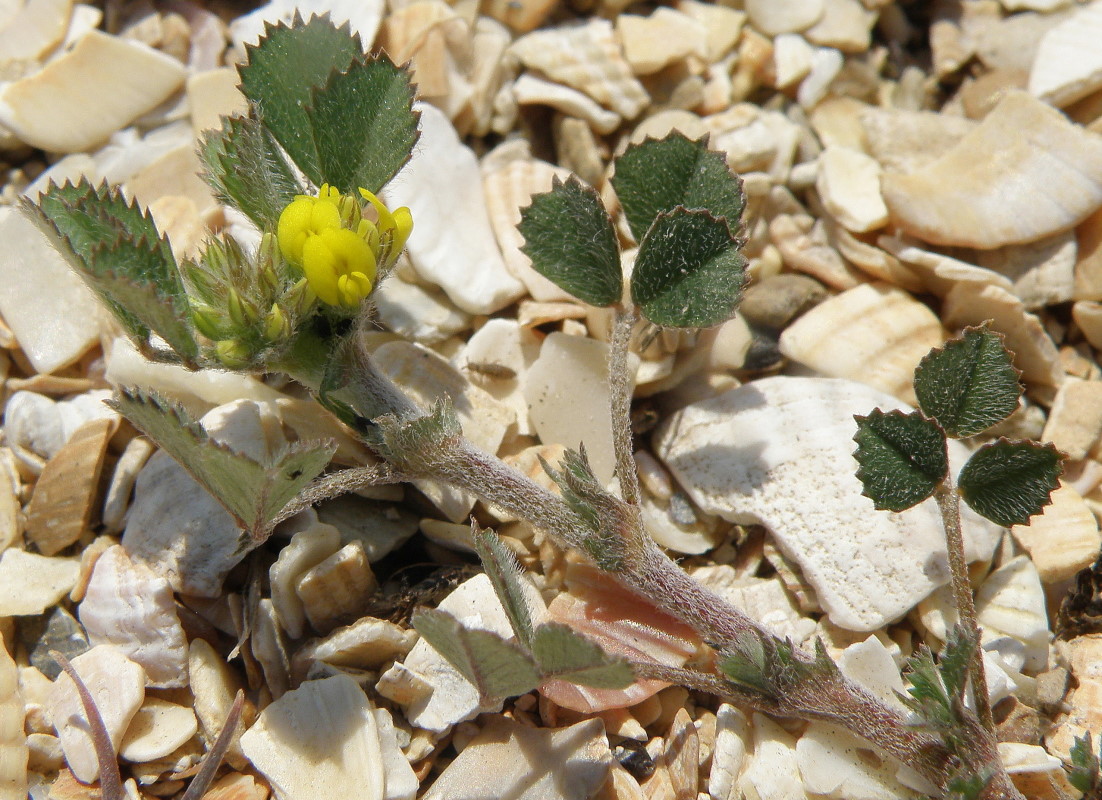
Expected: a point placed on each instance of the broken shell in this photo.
(966, 198)
(117, 685)
(802, 242)
(1063, 539)
(30, 583)
(665, 37)
(307, 549)
(1074, 422)
(772, 768)
(130, 463)
(337, 589)
(849, 185)
(529, 90)
(130, 606)
(773, 17)
(1067, 66)
(213, 684)
(157, 729)
(13, 742)
(367, 643)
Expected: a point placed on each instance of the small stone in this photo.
(792, 57)
(307, 549)
(33, 29)
(845, 24)
(58, 631)
(775, 302)
(337, 589)
(723, 26)
(665, 37)
(773, 17)
(1074, 422)
(156, 730)
(30, 583)
(213, 685)
(849, 186)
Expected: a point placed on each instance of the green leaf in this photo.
(1083, 772)
(901, 457)
(563, 654)
(420, 441)
(1008, 482)
(505, 574)
(689, 271)
(928, 696)
(570, 238)
(363, 123)
(656, 176)
(115, 247)
(968, 785)
(246, 170)
(253, 492)
(602, 514)
(955, 661)
(280, 74)
(969, 384)
(497, 668)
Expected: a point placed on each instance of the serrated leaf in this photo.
(282, 70)
(927, 695)
(602, 514)
(902, 458)
(253, 492)
(969, 384)
(363, 124)
(419, 440)
(496, 667)
(1008, 482)
(966, 785)
(563, 654)
(246, 170)
(505, 574)
(570, 238)
(1083, 772)
(955, 659)
(689, 271)
(658, 175)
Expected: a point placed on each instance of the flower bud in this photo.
(232, 353)
(277, 326)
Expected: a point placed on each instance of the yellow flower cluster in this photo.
(338, 249)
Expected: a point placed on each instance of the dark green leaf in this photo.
(1083, 772)
(969, 384)
(1008, 482)
(689, 271)
(281, 71)
(561, 653)
(246, 170)
(497, 668)
(253, 492)
(570, 239)
(902, 458)
(955, 660)
(505, 574)
(656, 176)
(363, 123)
(967, 785)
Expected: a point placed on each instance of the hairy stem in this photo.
(338, 483)
(620, 389)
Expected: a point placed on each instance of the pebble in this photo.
(661, 39)
(1043, 272)
(1074, 423)
(1067, 67)
(307, 549)
(30, 583)
(157, 729)
(773, 17)
(58, 631)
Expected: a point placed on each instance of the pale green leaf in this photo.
(1008, 482)
(505, 574)
(561, 653)
(901, 457)
(1083, 772)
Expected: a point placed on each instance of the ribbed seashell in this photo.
(13, 741)
(875, 334)
(802, 242)
(1011, 602)
(404, 30)
(337, 589)
(588, 58)
(130, 606)
(1048, 177)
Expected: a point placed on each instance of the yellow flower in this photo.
(394, 227)
(339, 266)
(303, 218)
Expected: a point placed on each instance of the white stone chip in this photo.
(849, 186)
(157, 729)
(30, 583)
(1068, 63)
(778, 452)
(773, 17)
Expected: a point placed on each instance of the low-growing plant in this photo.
(344, 121)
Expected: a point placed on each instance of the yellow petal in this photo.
(292, 226)
(403, 226)
(319, 266)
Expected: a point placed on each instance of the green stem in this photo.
(306, 359)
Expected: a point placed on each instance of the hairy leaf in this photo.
(561, 653)
(902, 458)
(246, 170)
(253, 492)
(363, 124)
(689, 271)
(1008, 481)
(601, 513)
(496, 667)
(967, 785)
(658, 175)
(955, 660)
(570, 239)
(969, 384)
(928, 696)
(505, 574)
(283, 68)
(1083, 772)
(419, 441)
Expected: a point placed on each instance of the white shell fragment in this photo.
(130, 606)
(319, 741)
(13, 741)
(663, 38)
(117, 685)
(773, 17)
(307, 549)
(507, 759)
(1068, 65)
(337, 589)
(157, 729)
(30, 583)
(777, 452)
(849, 185)
(772, 769)
(1063, 539)
(1011, 602)
(1047, 178)
(367, 643)
(80, 98)
(528, 90)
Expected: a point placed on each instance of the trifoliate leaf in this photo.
(570, 239)
(504, 573)
(1083, 772)
(902, 458)
(497, 668)
(253, 492)
(246, 170)
(282, 69)
(656, 176)
(969, 384)
(1008, 482)
(363, 124)
(561, 653)
(689, 271)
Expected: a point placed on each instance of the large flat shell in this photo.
(130, 606)
(1047, 178)
(588, 58)
(772, 769)
(319, 741)
(117, 685)
(508, 759)
(13, 741)
(456, 248)
(849, 186)
(34, 29)
(53, 315)
(872, 333)
(905, 141)
(30, 583)
(1074, 422)
(1063, 539)
(1068, 64)
(497, 358)
(82, 97)
(777, 452)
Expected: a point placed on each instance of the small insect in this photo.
(491, 370)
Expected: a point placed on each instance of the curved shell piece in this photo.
(1068, 64)
(13, 742)
(307, 549)
(337, 589)
(1011, 602)
(1046, 178)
